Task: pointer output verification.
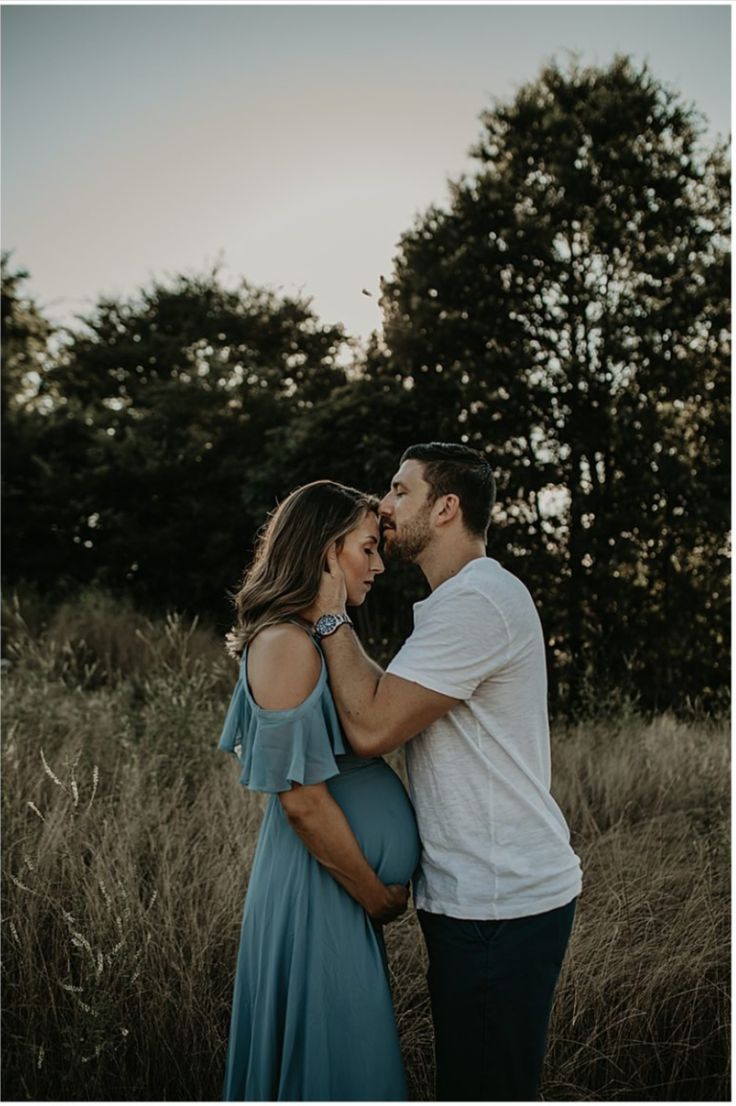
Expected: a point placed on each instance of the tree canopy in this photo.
(567, 311)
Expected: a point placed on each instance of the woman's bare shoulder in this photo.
(283, 666)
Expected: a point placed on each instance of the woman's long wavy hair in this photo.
(286, 571)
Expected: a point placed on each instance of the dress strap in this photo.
(294, 622)
(310, 635)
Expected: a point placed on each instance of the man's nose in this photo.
(384, 507)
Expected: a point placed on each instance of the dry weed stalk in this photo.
(128, 845)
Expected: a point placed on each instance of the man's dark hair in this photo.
(453, 468)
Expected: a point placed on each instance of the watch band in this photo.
(328, 623)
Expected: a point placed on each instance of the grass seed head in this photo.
(51, 774)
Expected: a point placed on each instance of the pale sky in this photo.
(294, 143)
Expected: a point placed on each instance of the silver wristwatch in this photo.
(328, 623)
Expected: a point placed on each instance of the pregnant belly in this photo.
(381, 817)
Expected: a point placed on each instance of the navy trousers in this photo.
(491, 986)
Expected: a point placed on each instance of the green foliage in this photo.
(27, 355)
(26, 337)
(568, 312)
(163, 407)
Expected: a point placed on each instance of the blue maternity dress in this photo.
(312, 1017)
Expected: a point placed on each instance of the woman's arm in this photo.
(283, 668)
(321, 824)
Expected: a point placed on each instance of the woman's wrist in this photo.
(374, 896)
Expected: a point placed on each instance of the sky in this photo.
(293, 145)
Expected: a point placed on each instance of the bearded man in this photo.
(497, 883)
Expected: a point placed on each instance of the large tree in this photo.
(160, 407)
(568, 310)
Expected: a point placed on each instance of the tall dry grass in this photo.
(127, 846)
(643, 1005)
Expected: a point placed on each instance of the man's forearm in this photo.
(354, 680)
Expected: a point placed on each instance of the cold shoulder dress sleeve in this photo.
(312, 1016)
(279, 747)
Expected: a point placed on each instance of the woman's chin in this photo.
(357, 600)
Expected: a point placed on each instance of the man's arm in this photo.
(379, 712)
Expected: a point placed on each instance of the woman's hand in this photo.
(333, 592)
(391, 904)
(321, 824)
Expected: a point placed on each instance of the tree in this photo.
(356, 436)
(569, 311)
(27, 340)
(161, 408)
(26, 336)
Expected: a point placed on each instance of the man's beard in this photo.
(415, 537)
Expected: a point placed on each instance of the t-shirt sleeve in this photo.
(456, 644)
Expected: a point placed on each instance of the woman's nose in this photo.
(379, 566)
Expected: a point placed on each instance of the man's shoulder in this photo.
(487, 577)
(486, 598)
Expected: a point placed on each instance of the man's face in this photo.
(405, 514)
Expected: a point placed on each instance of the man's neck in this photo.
(439, 565)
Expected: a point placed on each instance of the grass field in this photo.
(127, 845)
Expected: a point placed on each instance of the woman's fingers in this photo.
(399, 899)
(332, 558)
(332, 589)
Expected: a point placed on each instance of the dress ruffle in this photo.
(279, 747)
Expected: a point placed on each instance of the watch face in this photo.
(326, 624)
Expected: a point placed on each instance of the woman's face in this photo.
(359, 558)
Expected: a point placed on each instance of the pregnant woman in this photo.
(312, 1015)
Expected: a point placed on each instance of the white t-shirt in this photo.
(494, 842)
